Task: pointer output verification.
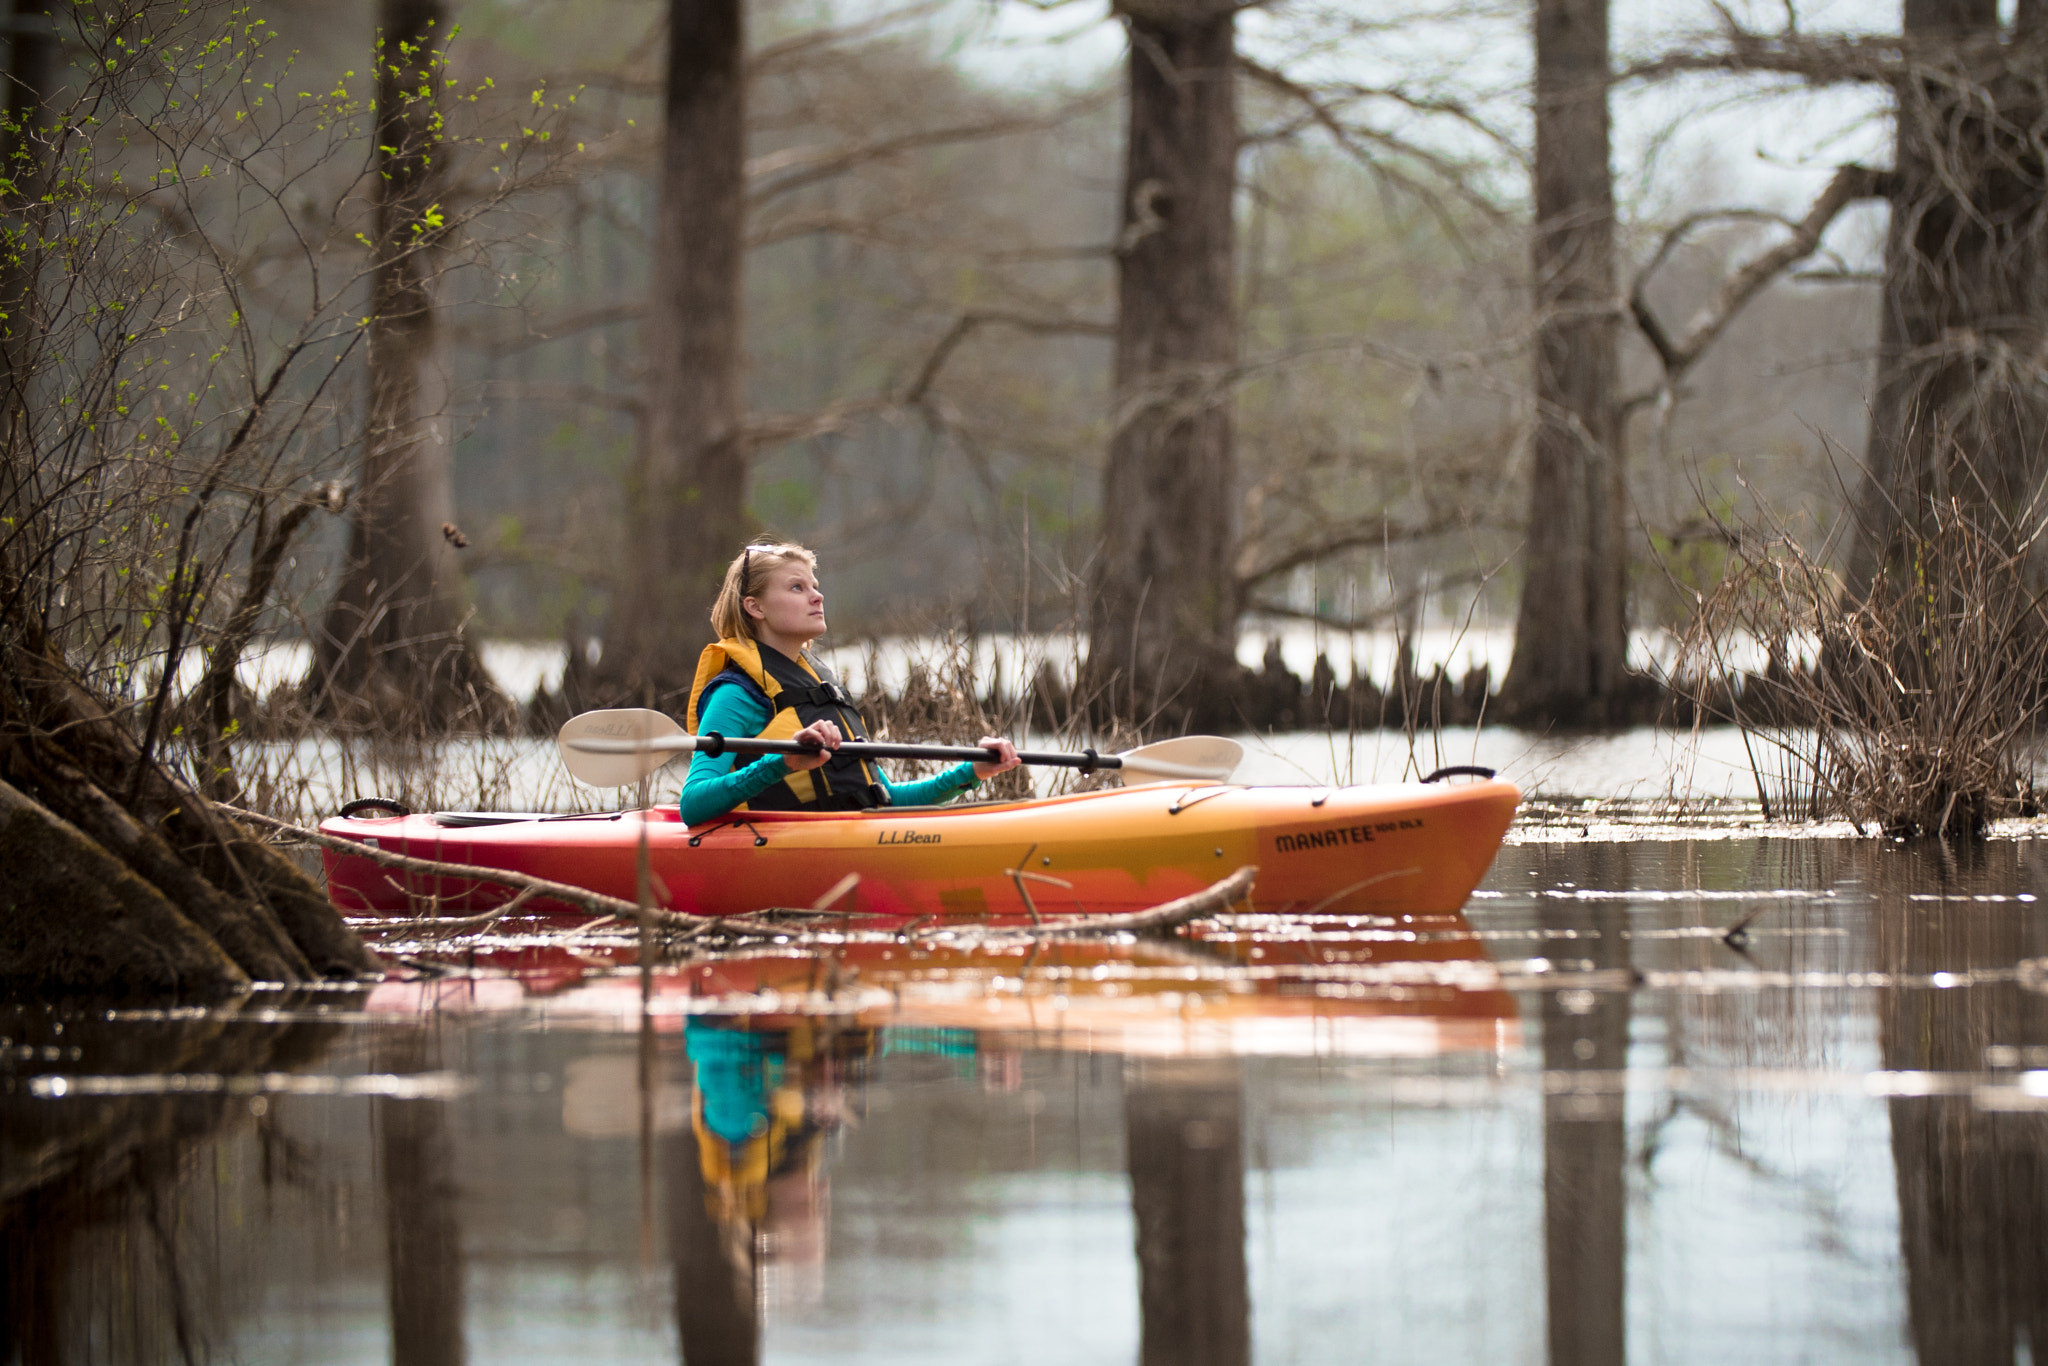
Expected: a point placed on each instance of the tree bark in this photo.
(391, 645)
(1164, 615)
(65, 755)
(75, 919)
(686, 503)
(1959, 408)
(1571, 632)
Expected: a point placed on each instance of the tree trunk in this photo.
(1571, 632)
(391, 646)
(75, 918)
(1959, 409)
(1164, 615)
(152, 895)
(686, 504)
(33, 72)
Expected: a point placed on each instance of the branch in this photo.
(965, 325)
(1677, 355)
(830, 165)
(1357, 536)
(1214, 899)
(597, 903)
(554, 329)
(1352, 139)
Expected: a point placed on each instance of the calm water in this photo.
(1572, 1126)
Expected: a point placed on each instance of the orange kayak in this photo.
(1398, 849)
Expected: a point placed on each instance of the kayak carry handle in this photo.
(1459, 771)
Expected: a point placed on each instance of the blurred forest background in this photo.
(1166, 323)
(933, 206)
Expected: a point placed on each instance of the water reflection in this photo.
(749, 1190)
(1972, 1182)
(1184, 1127)
(423, 1232)
(1585, 1135)
(1310, 1140)
(103, 1224)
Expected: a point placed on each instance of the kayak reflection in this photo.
(784, 1054)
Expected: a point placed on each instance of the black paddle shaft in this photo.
(711, 742)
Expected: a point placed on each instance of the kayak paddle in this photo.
(618, 748)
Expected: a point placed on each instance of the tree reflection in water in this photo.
(1585, 1135)
(423, 1232)
(103, 1211)
(1184, 1124)
(1973, 1184)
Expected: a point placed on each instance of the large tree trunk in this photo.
(686, 505)
(1959, 408)
(1164, 615)
(1571, 633)
(391, 646)
(116, 879)
(33, 71)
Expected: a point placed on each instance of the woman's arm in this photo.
(931, 791)
(955, 780)
(713, 786)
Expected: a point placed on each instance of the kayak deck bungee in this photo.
(1407, 848)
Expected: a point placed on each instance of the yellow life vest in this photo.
(798, 692)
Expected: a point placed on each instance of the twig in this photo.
(1211, 900)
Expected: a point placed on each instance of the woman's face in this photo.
(791, 607)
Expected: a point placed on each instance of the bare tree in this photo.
(1163, 619)
(686, 500)
(392, 643)
(1570, 634)
(1961, 398)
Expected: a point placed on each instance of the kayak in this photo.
(1384, 850)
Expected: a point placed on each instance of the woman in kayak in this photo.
(758, 680)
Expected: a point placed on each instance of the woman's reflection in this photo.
(749, 1192)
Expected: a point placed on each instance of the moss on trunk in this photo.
(75, 919)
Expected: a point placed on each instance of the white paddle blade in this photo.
(1203, 758)
(628, 728)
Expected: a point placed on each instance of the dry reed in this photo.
(1917, 709)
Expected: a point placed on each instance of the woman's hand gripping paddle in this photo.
(618, 748)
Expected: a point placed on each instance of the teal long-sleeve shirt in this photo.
(715, 786)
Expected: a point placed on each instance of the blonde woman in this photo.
(760, 680)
